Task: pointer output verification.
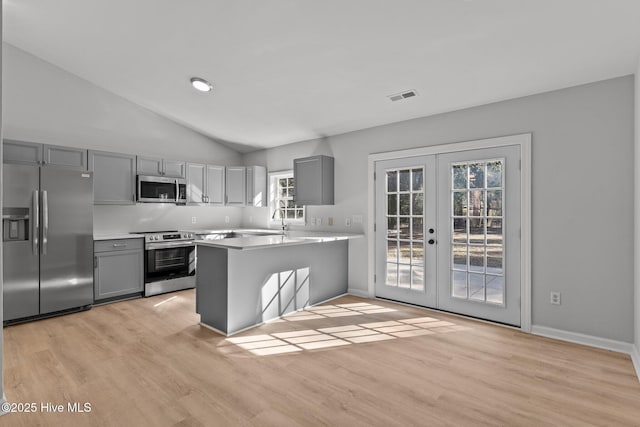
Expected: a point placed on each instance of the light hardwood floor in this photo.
(147, 362)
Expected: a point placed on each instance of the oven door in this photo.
(169, 262)
(157, 189)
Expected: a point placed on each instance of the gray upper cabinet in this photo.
(22, 152)
(256, 186)
(196, 183)
(149, 166)
(174, 169)
(65, 157)
(161, 167)
(313, 180)
(114, 178)
(236, 185)
(205, 184)
(30, 153)
(215, 185)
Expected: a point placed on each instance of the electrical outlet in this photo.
(347, 222)
(313, 220)
(357, 219)
(330, 220)
(226, 219)
(319, 221)
(193, 219)
(555, 298)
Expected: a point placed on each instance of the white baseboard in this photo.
(591, 341)
(635, 357)
(358, 293)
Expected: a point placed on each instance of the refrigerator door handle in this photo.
(35, 232)
(45, 221)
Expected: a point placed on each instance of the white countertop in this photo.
(291, 238)
(117, 236)
(234, 230)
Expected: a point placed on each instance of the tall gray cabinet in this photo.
(236, 186)
(114, 178)
(256, 186)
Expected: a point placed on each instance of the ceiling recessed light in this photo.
(201, 84)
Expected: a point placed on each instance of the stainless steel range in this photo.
(169, 262)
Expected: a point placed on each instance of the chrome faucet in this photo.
(282, 212)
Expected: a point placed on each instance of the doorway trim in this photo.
(524, 141)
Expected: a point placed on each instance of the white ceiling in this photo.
(291, 70)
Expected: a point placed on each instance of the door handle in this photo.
(45, 221)
(36, 222)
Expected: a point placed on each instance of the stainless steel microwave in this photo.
(160, 189)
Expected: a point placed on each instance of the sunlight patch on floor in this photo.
(338, 336)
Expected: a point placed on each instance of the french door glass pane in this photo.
(477, 251)
(405, 228)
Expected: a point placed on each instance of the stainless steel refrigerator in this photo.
(47, 240)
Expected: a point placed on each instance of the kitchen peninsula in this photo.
(242, 282)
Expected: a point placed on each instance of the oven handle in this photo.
(170, 245)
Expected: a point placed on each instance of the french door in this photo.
(447, 232)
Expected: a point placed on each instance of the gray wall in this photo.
(2, 395)
(637, 216)
(44, 103)
(582, 197)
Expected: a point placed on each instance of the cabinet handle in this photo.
(119, 245)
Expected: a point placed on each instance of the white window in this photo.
(281, 204)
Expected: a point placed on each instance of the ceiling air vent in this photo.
(403, 95)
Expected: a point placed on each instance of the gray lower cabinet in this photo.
(31, 153)
(235, 184)
(256, 186)
(114, 178)
(118, 268)
(313, 180)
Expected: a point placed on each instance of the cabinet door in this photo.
(65, 157)
(313, 180)
(26, 153)
(174, 169)
(249, 189)
(215, 184)
(235, 185)
(118, 273)
(257, 186)
(196, 183)
(149, 166)
(114, 178)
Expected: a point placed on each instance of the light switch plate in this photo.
(347, 222)
(319, 221)
(357, 219)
